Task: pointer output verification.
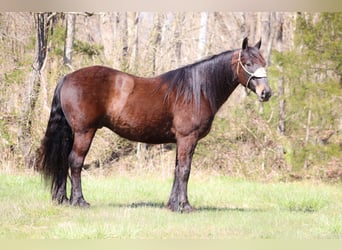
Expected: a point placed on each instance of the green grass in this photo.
(126, 206)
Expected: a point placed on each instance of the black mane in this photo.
(210, 77)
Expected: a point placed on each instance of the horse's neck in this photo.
(224, 95)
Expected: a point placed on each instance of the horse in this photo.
(175, 107)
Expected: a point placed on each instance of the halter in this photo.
(259, 73)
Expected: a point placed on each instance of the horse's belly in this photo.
(147, 134)
(142, 128)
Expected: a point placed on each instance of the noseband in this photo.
(259, 73)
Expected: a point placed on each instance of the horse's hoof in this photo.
(187, 209)
(181, 208)
(64, 201)
(61, 200)
(80, 202)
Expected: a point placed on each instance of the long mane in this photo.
(208, 77)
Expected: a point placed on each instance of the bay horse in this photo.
(175, 107)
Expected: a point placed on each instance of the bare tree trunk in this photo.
(69, 39)
(250, 23)
(43, 25)
(202, 39)
(107, 27)
(279, 47)
(268, 34)
(282, 114)
(156, 38)
(308, 124)
(179, 20)
(124, 40)
(258, 29)
(135, 49)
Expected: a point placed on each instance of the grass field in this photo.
(132, 206)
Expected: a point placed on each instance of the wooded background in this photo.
(296, 135)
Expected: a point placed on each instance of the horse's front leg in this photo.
(179, 197)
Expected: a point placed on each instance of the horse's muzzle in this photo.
(265, 95)
(261, 88)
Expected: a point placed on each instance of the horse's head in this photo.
(251, 70)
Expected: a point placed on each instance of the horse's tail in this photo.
(52, 156)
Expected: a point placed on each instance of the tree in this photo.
(43, 22)
(69, 39)
(135, 48)
(320, 36)
(202, 39)
(279, 47)
(178, 22)
(309, 83)
(156, 38)
(124, 40)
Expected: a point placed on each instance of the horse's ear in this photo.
(258, 44)
(245, 43)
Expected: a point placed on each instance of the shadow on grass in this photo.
(138, 205)
(229, 209)
(161, 205)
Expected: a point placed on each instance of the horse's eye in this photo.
(248, 64)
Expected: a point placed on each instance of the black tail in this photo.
(56, 146)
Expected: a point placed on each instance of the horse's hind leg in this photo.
(59, 192)
(78, 153)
